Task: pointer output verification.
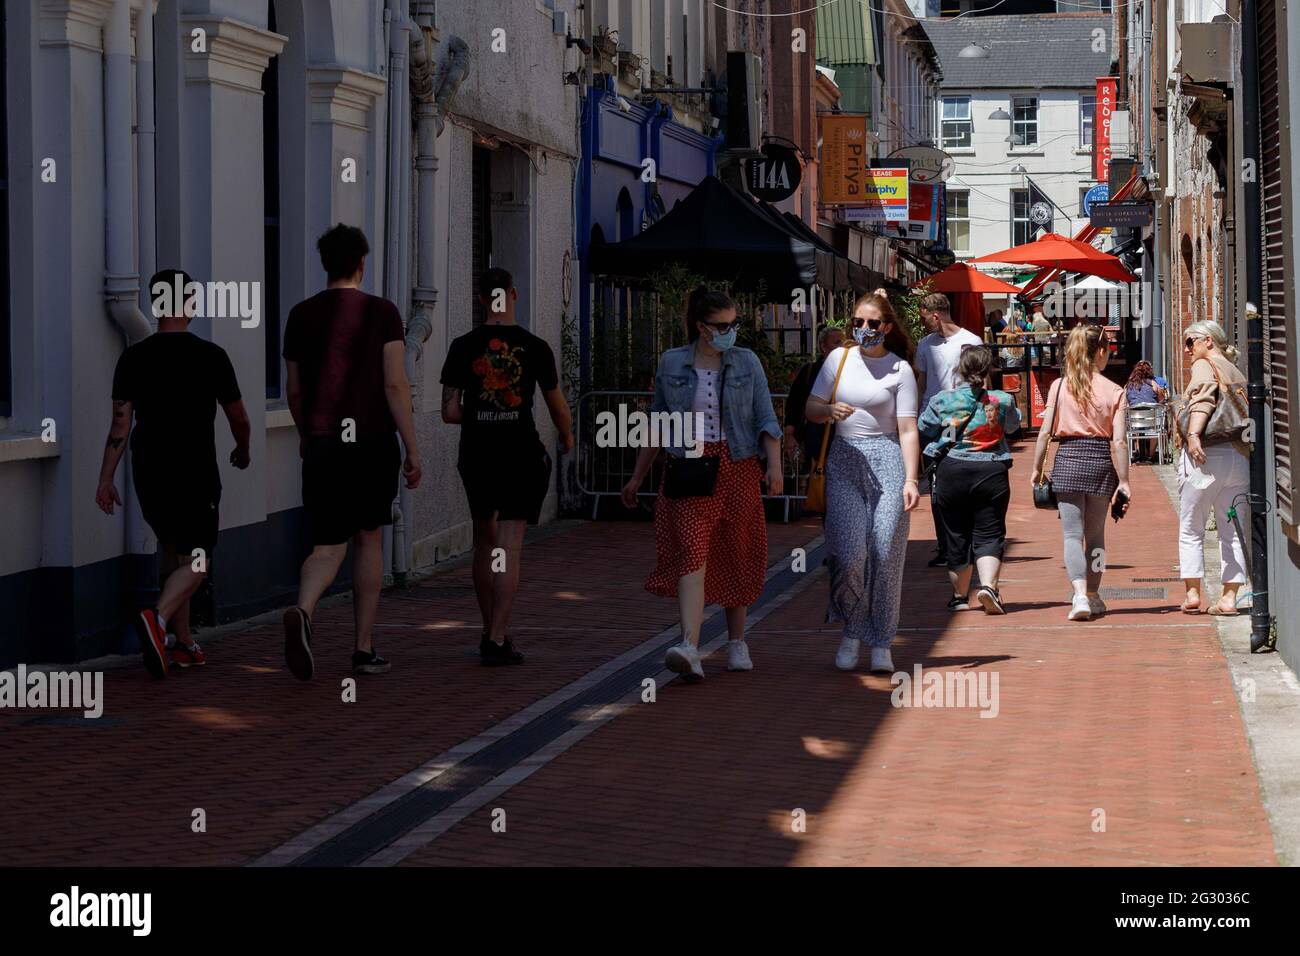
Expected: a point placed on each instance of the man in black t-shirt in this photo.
(172, 383)
(488, 380)
(345, 358)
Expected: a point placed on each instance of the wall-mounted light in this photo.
(999, 114)
(974, 51)
(1019, 169)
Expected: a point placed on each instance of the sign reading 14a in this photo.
(776, 175)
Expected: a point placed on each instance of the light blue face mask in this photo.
(724, 340)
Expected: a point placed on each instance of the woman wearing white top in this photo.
(871, 478)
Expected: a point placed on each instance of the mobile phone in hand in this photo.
(1118, 505)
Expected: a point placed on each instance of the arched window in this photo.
(271, 214)
(6, 377)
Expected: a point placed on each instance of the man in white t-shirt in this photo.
(939, 352)
(937, 356)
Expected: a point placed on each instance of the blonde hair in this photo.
(1214, 332)
(1081, 349)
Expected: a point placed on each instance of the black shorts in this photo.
(349, 486)
(509, 485)
(183, 516)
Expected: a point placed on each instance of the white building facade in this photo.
(222, 137)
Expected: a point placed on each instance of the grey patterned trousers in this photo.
(866, 534)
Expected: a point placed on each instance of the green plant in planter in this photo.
(907, 306)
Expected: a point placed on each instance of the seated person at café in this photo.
(1144, 388)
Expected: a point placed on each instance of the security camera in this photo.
(579, 42)
(624, 105)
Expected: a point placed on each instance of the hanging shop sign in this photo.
(1098, 193)
(1126, 215)
(776, 175)
(843, 160)
(886, 196)
(1106, 92)
(929, 165)
(922, 223)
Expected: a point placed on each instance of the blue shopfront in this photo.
(618, 195)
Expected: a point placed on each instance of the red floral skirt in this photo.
(726, 531)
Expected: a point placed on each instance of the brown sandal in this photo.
(1217, 611)
(1190, 609)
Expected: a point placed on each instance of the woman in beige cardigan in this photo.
(1226, 465)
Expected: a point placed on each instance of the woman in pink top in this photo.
(1086, 413)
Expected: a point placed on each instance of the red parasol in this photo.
(961, 277)
(1060, 252)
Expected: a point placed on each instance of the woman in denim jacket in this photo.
(712, 549)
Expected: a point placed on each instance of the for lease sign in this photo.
(885, 195)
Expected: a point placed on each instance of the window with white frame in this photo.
(1024, 120)
(1087, 115)
(957, 211)
(1021, 228)
(957, 126)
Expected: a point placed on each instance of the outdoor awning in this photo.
(727, 236)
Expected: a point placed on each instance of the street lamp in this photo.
(973, 51)
(1019, 168)
(999, 114)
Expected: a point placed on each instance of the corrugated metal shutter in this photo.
(1275, 197)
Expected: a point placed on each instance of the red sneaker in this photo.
(153, 641)
(182, 656)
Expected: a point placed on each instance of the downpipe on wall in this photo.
(121, 279)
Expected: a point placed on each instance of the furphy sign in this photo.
(1106, 93)
(886, 196)
(844, 159)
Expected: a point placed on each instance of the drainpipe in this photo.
(144, 142)
(399, 27)
(1261, 621)
(121, 280)
(1149, 124)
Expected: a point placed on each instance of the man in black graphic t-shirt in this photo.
(488, 381)
(171, 383)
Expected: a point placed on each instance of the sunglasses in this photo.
(722, 326)
(1189, 342)
(873, 324)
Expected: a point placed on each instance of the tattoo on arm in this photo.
(449, 395)
(115, 442)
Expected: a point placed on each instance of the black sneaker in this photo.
(958, 603)
(938, 561)
(990, 600)
(368, 662)
(492, 654)
(297, 643)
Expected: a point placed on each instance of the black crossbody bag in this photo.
(695, 477)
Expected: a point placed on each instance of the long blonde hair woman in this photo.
(1210, 477)
(1086, 412)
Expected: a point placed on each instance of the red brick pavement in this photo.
(1132, 715)
(266, 756)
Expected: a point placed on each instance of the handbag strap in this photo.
(1223, 389)
(826, 433)
(1051, 428)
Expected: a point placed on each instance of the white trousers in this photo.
(1231, 472)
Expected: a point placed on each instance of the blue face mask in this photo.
(868, 337)
(724, 340)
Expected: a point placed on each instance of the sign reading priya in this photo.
(844, 159)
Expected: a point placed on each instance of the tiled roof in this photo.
(1036, 51)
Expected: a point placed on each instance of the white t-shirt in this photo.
(881, 390)
(937, 359)
(707, 404)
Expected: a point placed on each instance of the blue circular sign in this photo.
(1098, 193)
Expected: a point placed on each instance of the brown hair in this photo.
(702, 303)
(937, 302)
(1142, 372)
(897, 339)
(974, 365)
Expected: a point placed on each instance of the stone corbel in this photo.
(237, 53)
(343, 96)
(78, 23)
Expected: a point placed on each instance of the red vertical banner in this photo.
(1040, 383)
(1106, 92)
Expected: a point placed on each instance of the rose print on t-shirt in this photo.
(500, 371)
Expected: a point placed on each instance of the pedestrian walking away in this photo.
(488, 381)
(172, 383)
(1214, 466)
(710, 530)
(967, 428)
(937, 357)
(1086, 415)
(345, 357)
(871, 478)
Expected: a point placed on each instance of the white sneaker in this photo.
(685, 660)
(738, 656)
(846, 658)
(1096, 604)
(1080, 608)
(881, 661)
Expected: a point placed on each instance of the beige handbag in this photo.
(1229, 419)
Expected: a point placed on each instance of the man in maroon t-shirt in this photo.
(345, 353)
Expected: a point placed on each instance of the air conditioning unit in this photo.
(744, 101)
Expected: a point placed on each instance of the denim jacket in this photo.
(747, 412)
